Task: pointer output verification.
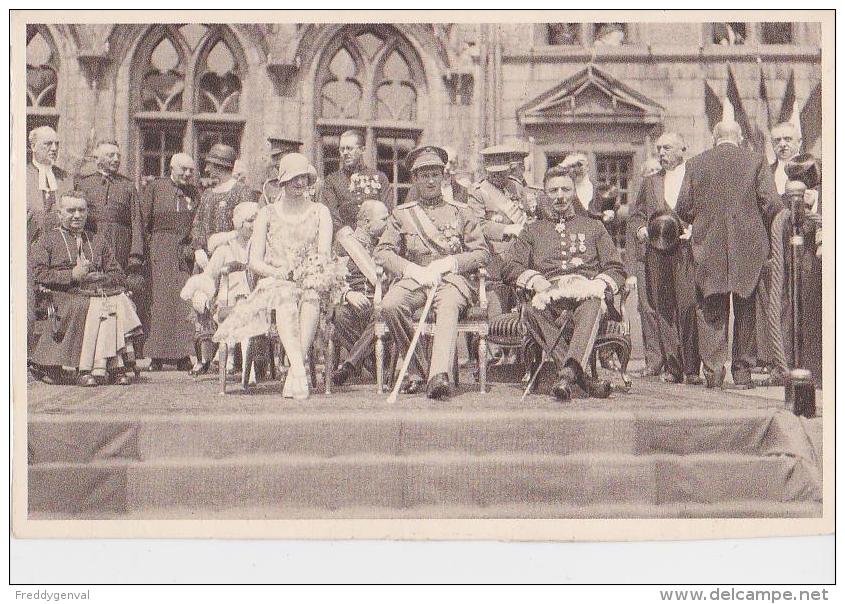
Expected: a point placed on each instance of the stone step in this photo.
(81, 438)
(439, 480)
(727, 509)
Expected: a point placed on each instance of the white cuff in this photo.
(609, 280)
(526, 278)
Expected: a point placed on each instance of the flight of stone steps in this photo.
(412, 463)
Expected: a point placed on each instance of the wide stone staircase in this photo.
(426, 463)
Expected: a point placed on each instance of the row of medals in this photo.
(576, 242)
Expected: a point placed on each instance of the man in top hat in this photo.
(279, 147)
(500, 206)
(569, 264)
(668, 283)
(730, 202)
(45, 182)
(114, 208)
(344, 190)
(429, 243)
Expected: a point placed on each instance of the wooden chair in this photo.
(474, 321)
(324, 340)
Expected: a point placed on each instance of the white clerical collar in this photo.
(46, 177)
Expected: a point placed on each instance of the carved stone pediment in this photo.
(591, 96)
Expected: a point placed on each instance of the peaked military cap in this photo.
(426, 155)
(279, 145)
(498, 157)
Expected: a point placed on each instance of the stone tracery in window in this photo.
(41, 71)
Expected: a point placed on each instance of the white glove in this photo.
(420, 274)
(686, 234)
(631, 282)
(199, 301)
(444, 265)
(608, 215)
(541, 299)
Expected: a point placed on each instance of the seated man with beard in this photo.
(569, 263)
(354, 316)
(93, 319)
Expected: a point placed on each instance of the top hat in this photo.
(664, 231)
(279, 145)
(804, 168)
(221, 155)
(426, 155)
(498, 158)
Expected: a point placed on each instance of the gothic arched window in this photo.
(188, 80)
(371, 79)
(42, 78)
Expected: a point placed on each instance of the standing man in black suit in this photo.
(730, 203)
(669, 282)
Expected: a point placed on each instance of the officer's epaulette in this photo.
(407, 204)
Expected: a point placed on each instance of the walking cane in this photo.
(406, 362)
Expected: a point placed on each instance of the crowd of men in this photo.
(107, 264)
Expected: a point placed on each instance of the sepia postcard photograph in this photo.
(525, 275)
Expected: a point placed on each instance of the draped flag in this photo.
(788, 108)
(811, 121)
(763, 123)
(733, 100)
(712, 106)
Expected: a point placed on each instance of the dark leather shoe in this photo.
(438, 386)
(562, 390)
(87, 380)
(412, 385)
(595, 387)
(123, 380)
(693, 380)
(155, 365)
(341, 375)
(714, 380)
(650, 372)
(183, 365)
(200, 368)
(671, 378)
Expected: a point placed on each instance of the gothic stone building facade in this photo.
(158, 89)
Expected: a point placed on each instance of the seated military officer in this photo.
(569, 262)
(430, 243)
(353, 318)
(94, 321)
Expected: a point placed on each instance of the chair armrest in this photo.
(482, 288)
(378, 293)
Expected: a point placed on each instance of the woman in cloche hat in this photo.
(290, 254)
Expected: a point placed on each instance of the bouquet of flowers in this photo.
(319, 273)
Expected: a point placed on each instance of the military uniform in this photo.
(418, 233)
(114, 211)
(549, 251)
(496, 209)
